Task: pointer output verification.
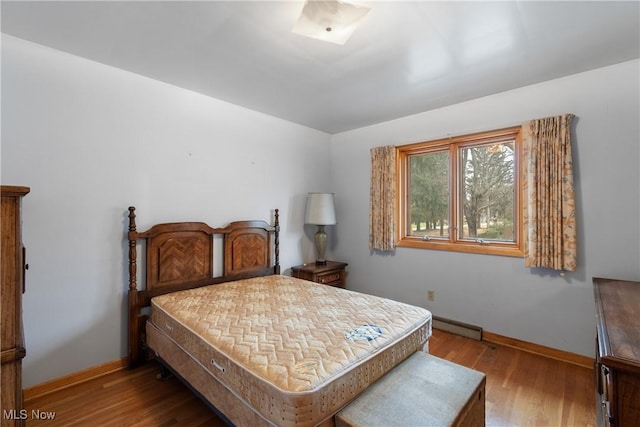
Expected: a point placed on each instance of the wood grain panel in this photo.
(247, 247)
(174, 258)
(10, 274)
(248, 251)
(12, 286)
(183, 259)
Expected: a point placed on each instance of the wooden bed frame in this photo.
(181, 256)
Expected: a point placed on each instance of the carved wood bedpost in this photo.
(134, 339)
(276, 242)
(132, 249)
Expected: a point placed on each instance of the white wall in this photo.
(499, 293)
(91, 140)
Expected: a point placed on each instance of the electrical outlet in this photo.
(431, 295)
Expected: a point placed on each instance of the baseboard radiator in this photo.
(458, 328)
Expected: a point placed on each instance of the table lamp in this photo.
(320, 211)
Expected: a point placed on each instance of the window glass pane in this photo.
(429, 195)
(487, 176)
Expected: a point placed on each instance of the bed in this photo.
(259, 347)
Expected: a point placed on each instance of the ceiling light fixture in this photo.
(329, 20)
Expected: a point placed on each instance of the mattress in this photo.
(293, 351)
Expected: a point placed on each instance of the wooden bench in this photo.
(423, 390)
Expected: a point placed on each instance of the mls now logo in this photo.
(23, 414)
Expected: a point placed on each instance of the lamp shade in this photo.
(320, 209)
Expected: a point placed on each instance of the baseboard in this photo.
(74, 379)
(458, 328)
(476, 332)
(552, 353)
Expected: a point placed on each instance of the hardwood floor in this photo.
(523, 389)
(123, 398)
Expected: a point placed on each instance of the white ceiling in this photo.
(407, 57)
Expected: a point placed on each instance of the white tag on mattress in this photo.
(217, 365)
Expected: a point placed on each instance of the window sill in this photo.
(462, 246)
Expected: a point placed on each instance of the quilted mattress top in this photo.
(294, 333)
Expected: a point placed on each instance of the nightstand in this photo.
(332, 274)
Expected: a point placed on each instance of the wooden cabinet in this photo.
(12, 340)
(617, 352)
(333, 273)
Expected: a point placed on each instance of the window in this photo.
(462, 194)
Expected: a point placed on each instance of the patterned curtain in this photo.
(382, 199)
(550, 214)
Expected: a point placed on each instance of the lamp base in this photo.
(320, 240)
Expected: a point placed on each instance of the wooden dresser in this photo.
(617, 352)
(12, 340)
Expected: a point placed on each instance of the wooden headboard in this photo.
(180, 256)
